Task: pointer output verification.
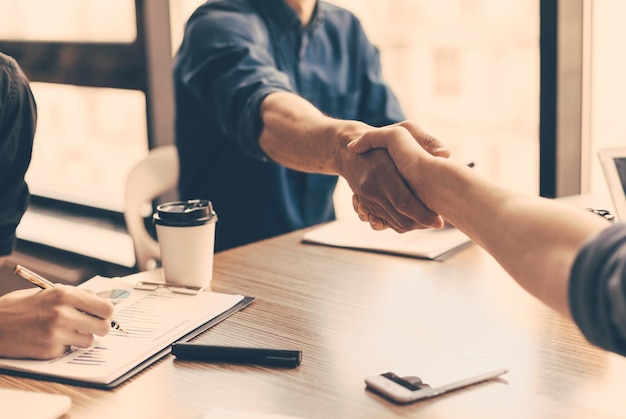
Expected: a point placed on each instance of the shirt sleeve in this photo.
(17, 128)
(227, 63)
(597, 289)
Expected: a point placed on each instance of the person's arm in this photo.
(226, 61)
(299, 136)
(42, 324)
(535, 239)
(18, 119)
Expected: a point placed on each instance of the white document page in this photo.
(21, 404)
(356, 234)
(153, 320)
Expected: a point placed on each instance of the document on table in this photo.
(355, 234)
(225, 413)
(153, 319)
(22, 404)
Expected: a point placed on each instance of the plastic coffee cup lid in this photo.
(189, 213)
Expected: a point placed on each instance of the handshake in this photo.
(396, 194)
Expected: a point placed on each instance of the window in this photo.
(100, 76)
(608, 87)
(68, 20)
(87, 141)
(465, 70)
(87, 138)
(468, 72)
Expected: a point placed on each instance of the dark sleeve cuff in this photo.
(597, 289)
(251, 123)
(7, 241)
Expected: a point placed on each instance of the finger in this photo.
(360, 210)
(81, 340)
(377, 223)
(65, 326)
(427, 141)
(82, 311)
(378, 215)
(364, 143)
(87, 324)
(20, 294)
(355, 204)
(401, 210)
(406, 216)
(90, 303)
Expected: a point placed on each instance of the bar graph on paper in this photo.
(141, 320)
(94, 356)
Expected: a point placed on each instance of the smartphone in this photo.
(435, 376)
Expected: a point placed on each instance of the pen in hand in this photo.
(43, 283)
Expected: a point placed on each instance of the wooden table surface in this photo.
(355, 313)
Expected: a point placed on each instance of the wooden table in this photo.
(354, 313)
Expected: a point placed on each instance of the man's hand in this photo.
(43, 324)
(381, 196)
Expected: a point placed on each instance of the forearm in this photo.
(534, 239)
(299, 136)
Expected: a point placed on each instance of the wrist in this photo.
(341, 134)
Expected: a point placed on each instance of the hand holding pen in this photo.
(45, 324)
(43, 283)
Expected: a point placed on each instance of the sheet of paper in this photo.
(355, 234)
(153, 320)
(223, 413)
(18, 404)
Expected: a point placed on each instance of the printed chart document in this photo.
(153, 319)
(356, 234)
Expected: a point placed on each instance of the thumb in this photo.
(429, 143)
(362, 144)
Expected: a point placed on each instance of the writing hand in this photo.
(43, 324)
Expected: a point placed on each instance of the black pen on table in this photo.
(259, 356)
(43, 283)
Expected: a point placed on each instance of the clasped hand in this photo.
(380, 194)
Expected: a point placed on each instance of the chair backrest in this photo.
(149, 179)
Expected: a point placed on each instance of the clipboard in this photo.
(421, 244)
(48, 371)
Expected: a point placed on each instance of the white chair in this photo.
(149, 179)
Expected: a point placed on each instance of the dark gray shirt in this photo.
(597, 290)
(18, 115)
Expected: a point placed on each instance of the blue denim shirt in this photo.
(597, 289)
(236, 52)
(18, 116)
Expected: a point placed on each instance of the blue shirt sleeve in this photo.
(17, 129)
(597, 289)
(227, 61)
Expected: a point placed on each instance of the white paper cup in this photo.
(186, 236)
